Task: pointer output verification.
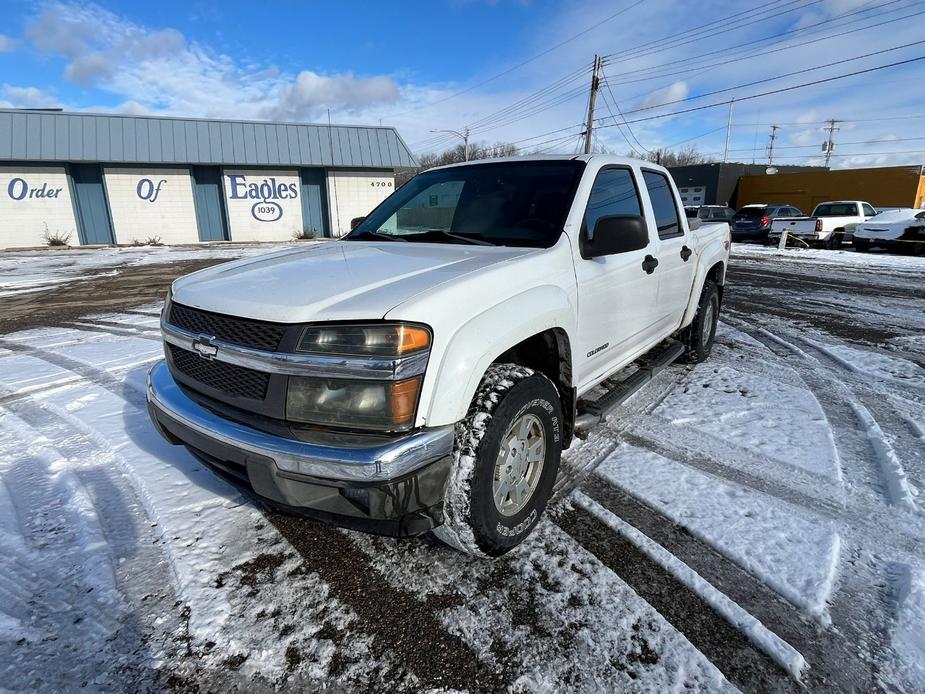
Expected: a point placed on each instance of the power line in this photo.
(633, 51)
(760, 52)
(617, 105)
(667, 44)
(529, 60)
(776, 77)
(775, 91)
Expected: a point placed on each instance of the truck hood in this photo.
(340, 280)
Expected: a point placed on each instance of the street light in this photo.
(464, 136)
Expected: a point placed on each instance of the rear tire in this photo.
(833, 243)
(698, 337)
(507, 455)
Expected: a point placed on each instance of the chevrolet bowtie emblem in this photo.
(204, 347)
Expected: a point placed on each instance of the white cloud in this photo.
(26, 97)
(673, 92)
(160, 70)
(7, 43)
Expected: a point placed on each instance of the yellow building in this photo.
(891, 186)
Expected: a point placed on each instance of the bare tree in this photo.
(683, 157)
(455, 155)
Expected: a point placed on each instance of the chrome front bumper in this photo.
(348, 459)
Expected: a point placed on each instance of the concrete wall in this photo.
(151, 202)
(263, 205)
(33, 200)
(355, 194)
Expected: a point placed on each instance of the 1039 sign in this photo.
(266, 193)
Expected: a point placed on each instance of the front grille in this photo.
(239, 331)
(228, 378)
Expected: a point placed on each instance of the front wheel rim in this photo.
(519, 465)
(706, 327)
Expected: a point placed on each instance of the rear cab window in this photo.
(664, 206)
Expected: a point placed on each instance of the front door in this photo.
(676, 260)
(210, 208)
(617, 297)
(90, 200)
(314, 203)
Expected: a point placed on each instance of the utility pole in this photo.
(774, 129)
(464, 136)
(728, 131)
(829, 145)
(595, 85)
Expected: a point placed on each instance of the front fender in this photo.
(480, 340)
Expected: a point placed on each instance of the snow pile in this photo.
(874, 261)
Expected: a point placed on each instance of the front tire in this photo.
(698, 337)
(507, 455)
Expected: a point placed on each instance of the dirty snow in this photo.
(126, 565)
(793, 554)
(24, 272)
(909, 638)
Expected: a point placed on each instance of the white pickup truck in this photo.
(427, 370)
(828, 225)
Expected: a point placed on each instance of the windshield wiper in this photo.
(380, 235)
(450, 234)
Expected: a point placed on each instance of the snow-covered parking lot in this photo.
(753, 522)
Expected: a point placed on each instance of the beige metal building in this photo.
(890, 186)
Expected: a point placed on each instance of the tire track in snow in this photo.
(341, 569)
(747, 667)
(861, 605)
(830, 657)
(80, 601)
(892, 476)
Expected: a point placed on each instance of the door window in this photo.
(663, 205)
(868, 210)
(613, 193)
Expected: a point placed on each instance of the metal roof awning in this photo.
(37, 136)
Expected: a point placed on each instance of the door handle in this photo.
(685, 253)
(649, 264)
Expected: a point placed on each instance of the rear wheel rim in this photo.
(519, 466)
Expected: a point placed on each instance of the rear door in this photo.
(90, 200)
(676, 259)
(617, 297)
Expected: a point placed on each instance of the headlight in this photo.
(373, 340)
(381, 405)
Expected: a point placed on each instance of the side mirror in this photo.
(356, 221)
(616, 234)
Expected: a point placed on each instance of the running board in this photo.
(591, 413)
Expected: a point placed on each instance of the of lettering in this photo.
(19, 189)
(148, 190)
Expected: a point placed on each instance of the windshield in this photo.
(838, 209)
(504, 204)
(750, 213)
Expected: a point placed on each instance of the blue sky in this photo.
(427, 65)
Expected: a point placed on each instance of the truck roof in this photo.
(596, 158)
